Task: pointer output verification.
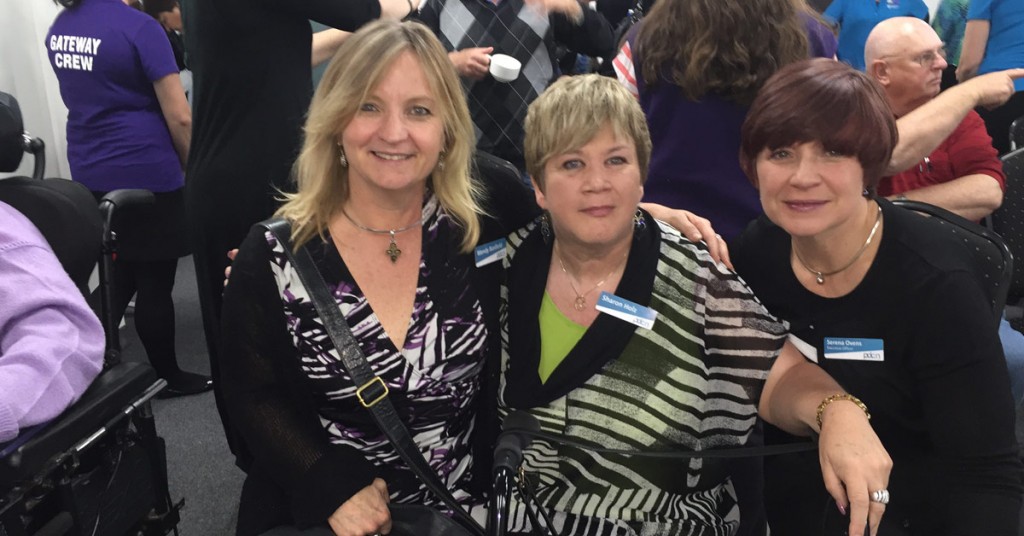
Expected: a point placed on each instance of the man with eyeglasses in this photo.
(962, 173)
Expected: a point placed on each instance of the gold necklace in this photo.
(820, 276)
(392, 252)
(581, 299)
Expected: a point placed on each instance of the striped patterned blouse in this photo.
(692, 382)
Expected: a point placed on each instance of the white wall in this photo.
(25, 73)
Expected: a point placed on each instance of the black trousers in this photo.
(997, 122)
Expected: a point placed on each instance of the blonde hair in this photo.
(356, 69)
(572, 111)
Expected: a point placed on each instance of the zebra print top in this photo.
(433, 379)
(691, 382)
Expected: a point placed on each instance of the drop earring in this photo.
(639, 223)
(545, 227)
(342, 159)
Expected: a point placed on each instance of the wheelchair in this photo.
(98, 469)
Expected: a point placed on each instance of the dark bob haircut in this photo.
(826, 101)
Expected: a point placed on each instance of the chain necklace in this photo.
(392, 252)
(820, 276)
(581, 299)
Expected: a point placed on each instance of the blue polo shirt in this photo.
(856, 19)
(1005, 47)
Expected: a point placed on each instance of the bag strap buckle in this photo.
(373, 382)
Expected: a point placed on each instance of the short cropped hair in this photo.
(825, 101)
(572, 111)
(355, 70)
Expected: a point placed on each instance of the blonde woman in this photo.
(387, 209)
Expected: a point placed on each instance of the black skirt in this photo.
(151, 232)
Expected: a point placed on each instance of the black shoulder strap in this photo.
(373, 392)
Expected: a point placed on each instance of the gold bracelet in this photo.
(841, 396)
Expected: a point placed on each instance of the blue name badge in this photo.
(623, 309)
(490, 252)
(854, 349)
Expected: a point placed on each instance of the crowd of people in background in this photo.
(614, 313)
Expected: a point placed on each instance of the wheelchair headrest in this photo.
(12, 146)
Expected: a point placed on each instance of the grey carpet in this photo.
(200, 467)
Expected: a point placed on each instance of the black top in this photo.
(939, 394)
(252, 85)
(297, 475)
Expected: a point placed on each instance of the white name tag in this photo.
(852, 349)
(623, 309)
(490, 252)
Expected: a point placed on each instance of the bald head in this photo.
(897, 36)
(906, 57)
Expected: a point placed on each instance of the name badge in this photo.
(490, 252)
(854, 349)
(623, 309)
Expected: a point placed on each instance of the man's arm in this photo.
(971, 196)
(176, 112)
(325, 44)
(923, 129)
(579, 28)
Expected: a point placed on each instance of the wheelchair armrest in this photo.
(115, 392)
(125, 197)
(117, 200)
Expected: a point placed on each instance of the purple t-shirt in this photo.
(106, 56)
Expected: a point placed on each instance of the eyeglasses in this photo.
(927, 59)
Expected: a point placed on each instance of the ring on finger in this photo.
(881, 496)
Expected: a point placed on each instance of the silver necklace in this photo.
(392, 252)
(581, 299)
(820, 276)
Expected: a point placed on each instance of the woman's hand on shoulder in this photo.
(854, 464)
(227, 271)
(694, 228)
(364, 513)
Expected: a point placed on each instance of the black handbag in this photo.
(373, 395)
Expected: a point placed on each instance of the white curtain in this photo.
(25, 73)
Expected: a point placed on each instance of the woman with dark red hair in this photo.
(882, 299)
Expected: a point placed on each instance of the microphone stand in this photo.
(501, 495)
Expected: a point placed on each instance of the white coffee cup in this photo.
(504, 68)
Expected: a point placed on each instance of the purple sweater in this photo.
(51, 343)
(695, 161)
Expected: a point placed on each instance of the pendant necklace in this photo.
(581, 299)
(392, 252)
(820, 276)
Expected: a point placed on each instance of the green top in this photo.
(558, 335)
(950, 22)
